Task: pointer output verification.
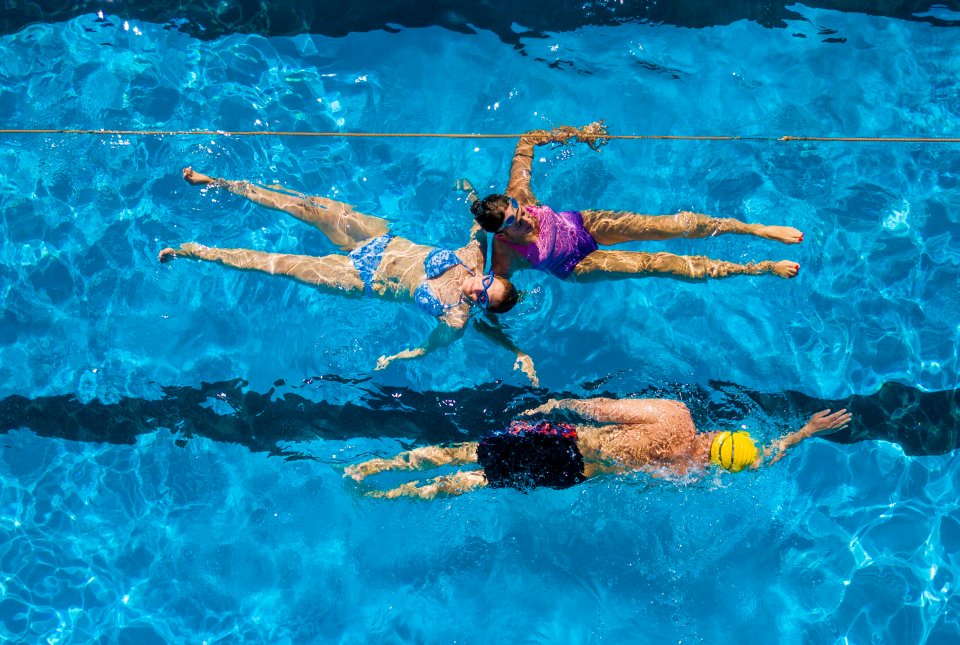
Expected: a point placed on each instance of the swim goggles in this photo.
(484, 298)
(510, 221)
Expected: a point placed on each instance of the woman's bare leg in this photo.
(417, 459)
(614, 227)
(455, 484)
(344, 226)
(616, 265)
(330, 271)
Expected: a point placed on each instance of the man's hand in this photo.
(821, 421)
(825, 420)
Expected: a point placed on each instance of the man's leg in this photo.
(455, 484)
(417, 459)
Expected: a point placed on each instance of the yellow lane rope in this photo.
(474, 135)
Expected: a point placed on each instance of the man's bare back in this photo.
(636, 434)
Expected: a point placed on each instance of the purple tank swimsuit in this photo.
(561, 243)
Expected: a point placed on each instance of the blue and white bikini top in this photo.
(437, 262)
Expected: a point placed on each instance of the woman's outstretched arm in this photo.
(524, 363)
(441, 336)
(519, 184)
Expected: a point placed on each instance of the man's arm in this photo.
(601, 410)
(821, 421)
(519, 184)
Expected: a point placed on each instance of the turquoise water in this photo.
(169, 536)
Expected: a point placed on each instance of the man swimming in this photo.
(566, 244)
(610, 436)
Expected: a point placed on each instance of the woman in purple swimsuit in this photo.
(566, 244)
(446, 284)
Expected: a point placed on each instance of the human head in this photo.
(500, 293)
(489, 212)
(733, 451)
(503, 215)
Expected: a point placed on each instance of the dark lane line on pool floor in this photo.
(922, 423)
(510, 21)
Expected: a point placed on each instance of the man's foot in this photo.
(195, 178)
(166, 255)
(786, 269)
(785, 234)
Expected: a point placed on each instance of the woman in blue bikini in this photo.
(448, 285)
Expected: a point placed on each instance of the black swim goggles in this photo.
(510, 221)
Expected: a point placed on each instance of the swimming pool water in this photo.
(164, 535)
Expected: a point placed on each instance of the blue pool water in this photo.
(155, 531)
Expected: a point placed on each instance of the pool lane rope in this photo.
(439, 135)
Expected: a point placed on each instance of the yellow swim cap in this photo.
(733, 451)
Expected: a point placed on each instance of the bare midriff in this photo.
(401, 270)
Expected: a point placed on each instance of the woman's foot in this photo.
(786, 269)
(359, 472)
(785, 234)
(195, 178)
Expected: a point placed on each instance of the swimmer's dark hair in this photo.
(489, 212)
(510, 298)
